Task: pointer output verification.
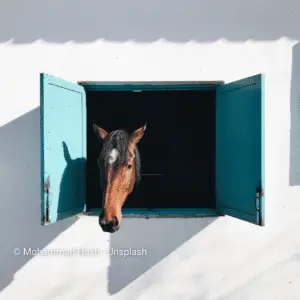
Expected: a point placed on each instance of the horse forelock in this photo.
(115, 149)
(115, 153)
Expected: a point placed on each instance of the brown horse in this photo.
(120, 166)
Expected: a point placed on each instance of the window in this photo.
(202, 153)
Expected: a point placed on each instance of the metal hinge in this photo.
(259, 195)
(46, 218)
(259, 192)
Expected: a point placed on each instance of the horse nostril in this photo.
(115, 222)
(114, 229)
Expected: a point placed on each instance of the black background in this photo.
(179, 143)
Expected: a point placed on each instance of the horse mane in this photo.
(119, 139)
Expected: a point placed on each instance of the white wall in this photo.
(211, 258)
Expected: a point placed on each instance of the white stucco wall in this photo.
(211, 258)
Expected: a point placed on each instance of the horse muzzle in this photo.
(111, 226)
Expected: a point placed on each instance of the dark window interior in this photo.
(177, 150)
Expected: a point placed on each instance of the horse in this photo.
(120, 171)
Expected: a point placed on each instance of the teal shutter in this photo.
(240, 149)
(63, 148)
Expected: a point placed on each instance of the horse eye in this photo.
(129, 166)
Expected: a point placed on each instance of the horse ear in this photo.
(100, 132)
(137, 134)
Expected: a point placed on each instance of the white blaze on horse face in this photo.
(113, 156)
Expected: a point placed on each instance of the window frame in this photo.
(155, 86)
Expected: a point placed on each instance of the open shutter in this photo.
(240, 149)
(63, 148)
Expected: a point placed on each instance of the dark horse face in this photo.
(119, 164)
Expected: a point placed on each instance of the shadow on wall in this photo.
(20, 208)
(158, 238)
(269, 282)
(295, 118)
(176, 21)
